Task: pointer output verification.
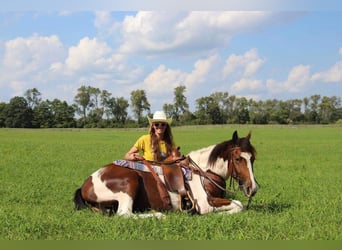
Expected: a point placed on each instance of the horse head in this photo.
(173, 156)
(241, 156)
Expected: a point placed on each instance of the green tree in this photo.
(83, 102)
(169, 109)
(257, 112)
(242, 110)
(306, 102)
(314, 112)
(17, 113)
(43, 116)
(180, 104)
(327, 109)
(139, 104)
(105, 97)
(282, 113)
(63, 114)
(118, 109)
(33, 97)
(96, 112)
(2, 114)
(222, 99)
(208, 111)
(295, 114)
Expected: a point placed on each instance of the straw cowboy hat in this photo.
(159, 116)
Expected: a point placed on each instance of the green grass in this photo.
(298, 169)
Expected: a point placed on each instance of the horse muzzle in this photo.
(250, 189)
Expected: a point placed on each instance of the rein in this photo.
(166, 162)
(205, 175)
(231, 181)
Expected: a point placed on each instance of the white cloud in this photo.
(156, 32)
(334, 74)
(163, 80)
(106, 24)
(44, 62)
(297, 80)
(202, 69)
(89, 53)
(102, 19)
(26, 62)
(246, 84)
(28, 55)
(244, 65)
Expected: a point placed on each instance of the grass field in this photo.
(299, 170)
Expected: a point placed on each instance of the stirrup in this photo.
(186, 202)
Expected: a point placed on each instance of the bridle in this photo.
(233, 176)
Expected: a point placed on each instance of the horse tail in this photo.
(79, 201)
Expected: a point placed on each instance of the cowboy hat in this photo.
(159, 116)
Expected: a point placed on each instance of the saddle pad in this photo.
(138, 166)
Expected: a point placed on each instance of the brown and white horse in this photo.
(126, 191)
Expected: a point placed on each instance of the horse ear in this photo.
(249, 135)
(235, 137)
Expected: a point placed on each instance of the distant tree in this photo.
(43, 115)
(118, 109)
(242, 110)
(257, 112)
(105, 97)
(281, 114)
(223, 100)
(295, 108)
(33, 97)
(2, 114)
(95, 94)
(306, 102)
(169, 110)
(314, 112)
(63, 114)
(17, 113)
(139, 104)
(327, 109)
(180, 104)
(83, 102)
(208, 111)
(94, 118)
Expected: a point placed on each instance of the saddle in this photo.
(174, 182)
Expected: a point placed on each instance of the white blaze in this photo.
(247, 157)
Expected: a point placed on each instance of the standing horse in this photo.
(125, 190)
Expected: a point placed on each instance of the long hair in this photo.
(167, 137)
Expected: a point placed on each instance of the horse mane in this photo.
(221, 150)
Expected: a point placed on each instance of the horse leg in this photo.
(114, 187)
(226, 206)
(125, 205)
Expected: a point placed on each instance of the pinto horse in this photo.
(131, 192)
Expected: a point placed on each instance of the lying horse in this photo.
(125, 191)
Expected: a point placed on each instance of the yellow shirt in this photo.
(144, 145)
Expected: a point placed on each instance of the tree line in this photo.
(96, 108)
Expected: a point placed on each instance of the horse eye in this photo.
(237, 159)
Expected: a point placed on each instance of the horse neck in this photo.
(201, 157)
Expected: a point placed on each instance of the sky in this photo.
(252, 49)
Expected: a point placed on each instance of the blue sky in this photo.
(281, 51)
